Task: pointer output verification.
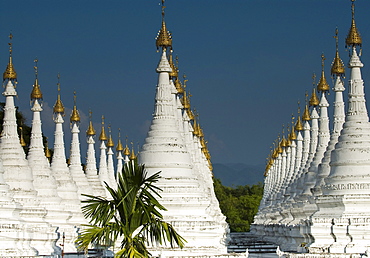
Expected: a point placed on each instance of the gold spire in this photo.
(110, 142)
(90, 130)
(279, 149)
(10, 72)
(103, 136)
(174, 72)
(75, 116)
(323, 85)
(298, 124)
(126, 151)
(275, 153)
(47, 151)
(119, 144)
(353, 37)
(283, 142)
(164, 38)
(21, 140)
(36, 91)
(337, 67)
(132, 156)
(58, 106)
(292, 135)
(196, 128)
(178, 85)
(185, 102)
(314, 100)
(288, 140)
(306, 113)
(201, 134)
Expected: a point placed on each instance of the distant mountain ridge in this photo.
(233, 174)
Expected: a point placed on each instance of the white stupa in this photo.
(172, 148)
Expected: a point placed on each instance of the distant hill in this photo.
(233, 174)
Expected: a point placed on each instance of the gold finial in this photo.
(179, 88)
(75, 116)
(306, 113)
(298, 125)
(126, 151)
(36, 91)
(119, 144)
(21, 140)
(10, 72)
(132, 156)
(196, 127)
(337, 67)
(164, 38)
(174, 72)
(110, 142)
(288, 140)
(279, 148)
(58, 106)
(90, 130)
(47, 150)
(323, 85)
(201, 134)
(190, 114)
(353, 37)
(185, 101)
(292, 135)
(314, 100)
(283, 142)
(103, 136)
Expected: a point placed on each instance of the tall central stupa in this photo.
(175, 146)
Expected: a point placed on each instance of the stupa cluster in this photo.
(41, 194)
(40, 204)
(316, 200)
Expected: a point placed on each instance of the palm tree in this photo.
(131, 216)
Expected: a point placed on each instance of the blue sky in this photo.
(247, 62)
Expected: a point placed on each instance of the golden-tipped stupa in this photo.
(314, 100)
(323, 85)
(126, 151)
(292, 135)
(337, 67)
(298, 125)
(164, 38)
(353, 37)
(119, 146)
(90, 130)
(306, 114)
(132, 155)
(174, 72)
(75, 116)
(10, 73)
(110, 142)
(36, 91)
(58, 106)
(103, 135)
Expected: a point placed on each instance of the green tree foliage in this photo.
(132, 215)
(239, 204)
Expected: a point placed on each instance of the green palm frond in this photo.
(132, 213)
